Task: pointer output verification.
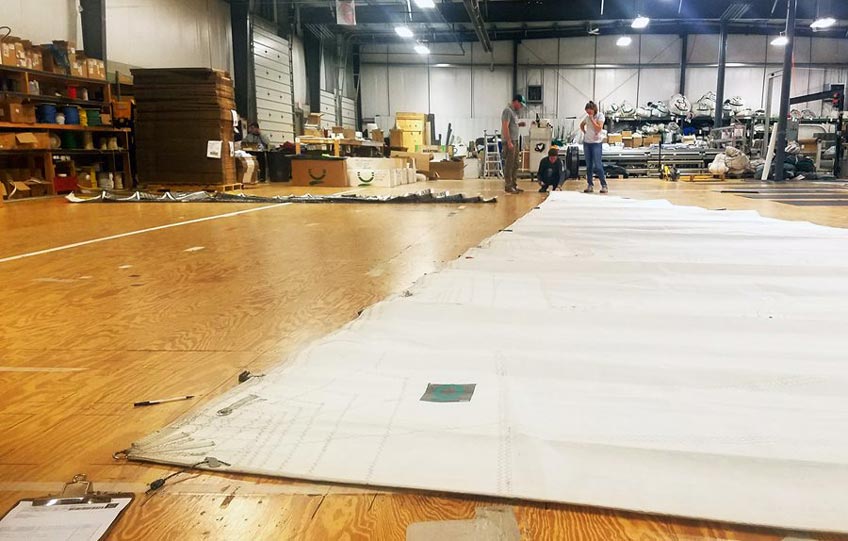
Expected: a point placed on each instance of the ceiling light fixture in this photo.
(422, 49)
(403, 31)
(442, 65)
(425, 4)
(640, 22)
(780, 41)
(624, 41)
(823, 22)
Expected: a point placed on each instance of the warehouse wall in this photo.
(28, 19)
(169, 34)
(143, 33)
(473, 89)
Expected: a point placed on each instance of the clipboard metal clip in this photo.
(80, 490)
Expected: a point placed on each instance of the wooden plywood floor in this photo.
(86, 331)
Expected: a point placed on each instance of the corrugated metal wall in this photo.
(273, 79)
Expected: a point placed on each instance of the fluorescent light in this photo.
(425, 4)
(780, 41)
(441, 65)
(624, 41)
(640, 22)
(823, 22)
(421, 49)
(403, 31)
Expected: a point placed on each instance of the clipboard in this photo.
(77, 514)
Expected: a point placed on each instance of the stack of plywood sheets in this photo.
(184, 128)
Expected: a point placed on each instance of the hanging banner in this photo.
(345, 12)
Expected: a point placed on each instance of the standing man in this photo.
(509, 129)
(593, 146)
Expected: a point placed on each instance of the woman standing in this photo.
(593, 138)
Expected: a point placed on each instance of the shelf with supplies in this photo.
(60, 127)
(50, 76)
(41, 98)
(64, 156)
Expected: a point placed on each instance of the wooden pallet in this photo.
(701, 178)
(192, 187)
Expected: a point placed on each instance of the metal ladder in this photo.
(492, 162)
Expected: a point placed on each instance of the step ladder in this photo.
(492, 162)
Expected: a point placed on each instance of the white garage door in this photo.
(272, 71)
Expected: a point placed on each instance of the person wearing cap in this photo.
(509, 131)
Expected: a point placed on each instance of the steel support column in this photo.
(515, 44)
(93, 20)
(684, 47)
(722, 65)
(312, 48)
(243, 60)
(785, 89)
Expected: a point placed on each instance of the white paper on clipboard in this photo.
(65, 522)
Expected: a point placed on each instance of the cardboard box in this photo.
(59, 57)
(614, 138)
(376, 163)
(38, 188)
(396, 139)
(626, 133)
(20, 190)
(95, 68)
(421, 160)
(311, 171)
(346, 133)
(653, 139)
(384, 178)
(9, 51)
(32, 140)
(411, 121)
(34, 60)
(638, 141)
(377, 135)
(17, 112)
(20, 54)
(450, 170)
(7, 141)
(79, 67)
(247, 170)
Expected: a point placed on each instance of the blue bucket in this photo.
(46, 113)
(72, 115)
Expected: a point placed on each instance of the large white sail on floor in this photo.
(601, 351)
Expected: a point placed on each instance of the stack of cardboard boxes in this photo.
(59, 57)
(184, 127)
(383, 172)
(630, 139)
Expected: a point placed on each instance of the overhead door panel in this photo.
(273, 84)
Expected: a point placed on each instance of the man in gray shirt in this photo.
(254, 138)
(509, 129)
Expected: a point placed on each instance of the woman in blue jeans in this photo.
(593, 139)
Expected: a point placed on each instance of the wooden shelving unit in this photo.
(15, 84)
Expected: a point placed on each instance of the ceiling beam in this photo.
(516, 11)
